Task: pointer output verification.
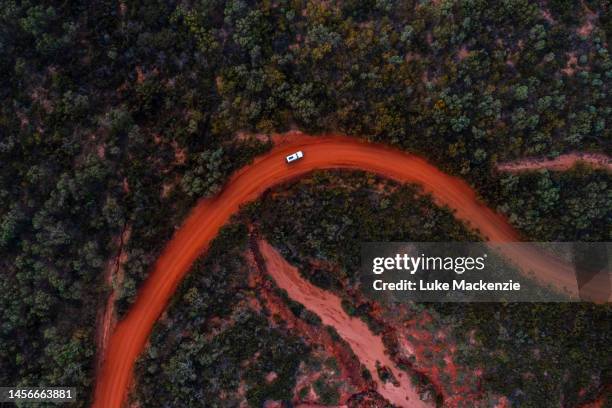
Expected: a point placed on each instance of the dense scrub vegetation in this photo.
(568, 206)
(328, 216)
(211, 348)
(535, 354)
(120, 114)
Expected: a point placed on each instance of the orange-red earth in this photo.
(321, 152)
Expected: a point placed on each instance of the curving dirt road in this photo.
(202, 225)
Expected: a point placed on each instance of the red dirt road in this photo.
(561, 163)
(202, 225)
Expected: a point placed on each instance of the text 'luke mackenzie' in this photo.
(462, 285)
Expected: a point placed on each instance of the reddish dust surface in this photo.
(561, 163)
(368, 347)
(106, 316)
(604, 400)
(203, 224)
(349, 367)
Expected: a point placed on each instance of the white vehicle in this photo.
(295, 156)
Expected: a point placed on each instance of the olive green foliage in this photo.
(121, 115)
(206, 176)
(327, 393)
(189, 362)
(328, 215)
(568, 206)
(561, 348)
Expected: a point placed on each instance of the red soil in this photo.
(203, 224)
(407, 338)
(604, 399)
(561, 163)
(106, 316)
(350, 369)
(368, 348)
